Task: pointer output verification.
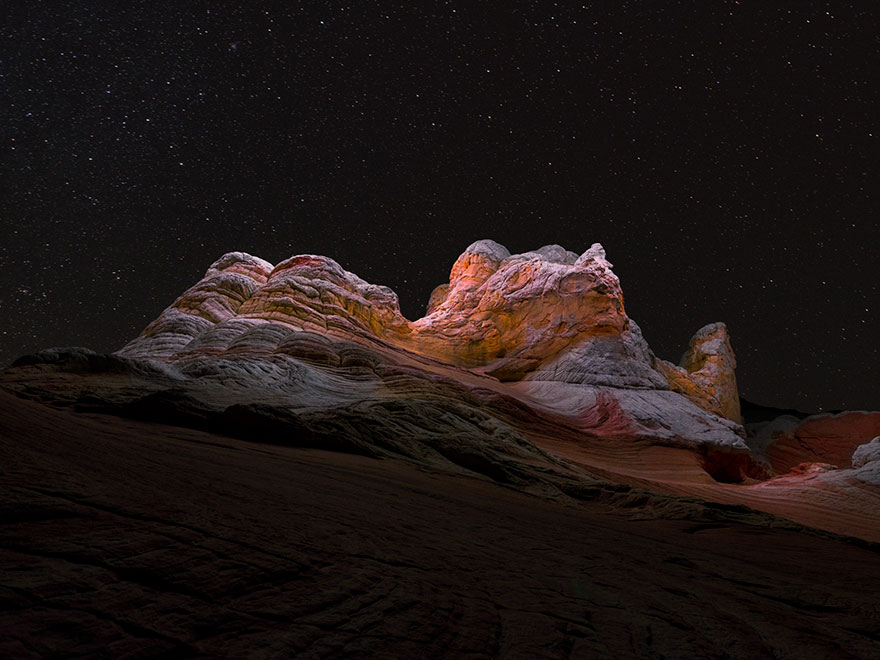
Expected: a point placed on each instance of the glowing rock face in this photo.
(229, 282)
(543, 316)
(508, 314)
(526, 370)
(706, 372)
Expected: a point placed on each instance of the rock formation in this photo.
(706, 372)
(526, 369)
(158, 501)
(788, 441)
(501, 314)
(546, 316)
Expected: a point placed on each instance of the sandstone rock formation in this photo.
(499, 312)
(706, 372)
(162, 501)
(788, 441)
(526, 370)
(543, 316)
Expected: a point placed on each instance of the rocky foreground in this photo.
(546, 486)
(124, 538)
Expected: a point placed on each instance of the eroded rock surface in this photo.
(545, 316)
(866, 453)
(556, 490)
(525, 370)
(826, 438)
(548, 314)
(706, 372)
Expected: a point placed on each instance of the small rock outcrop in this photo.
(866, 453)
(706, 372)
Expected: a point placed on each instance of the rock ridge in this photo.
(544, 315)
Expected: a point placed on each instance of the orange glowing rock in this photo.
(706, 373)
(524, 366)
(548, 315)
(508, 314)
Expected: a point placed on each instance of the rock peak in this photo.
(488, 248)
(596, 251)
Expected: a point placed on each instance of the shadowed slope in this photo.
(134, 538)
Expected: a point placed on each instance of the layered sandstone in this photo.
(545, 315)
(129, 538)
(526, 376)
(526, 370)
(788, 441)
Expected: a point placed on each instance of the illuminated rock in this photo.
(315, 293)
(526, 370)
(545, 329)
(706, 372)
(509, 314)
(547, 315)
(438, 295)
(217, 297)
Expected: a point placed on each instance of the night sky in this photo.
(720, 151)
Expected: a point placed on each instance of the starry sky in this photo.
(720, 151)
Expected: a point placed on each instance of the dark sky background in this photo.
(721, 151)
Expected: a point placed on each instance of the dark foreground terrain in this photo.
(124, 539)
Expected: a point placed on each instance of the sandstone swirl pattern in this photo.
(526, 369)
(549, 322)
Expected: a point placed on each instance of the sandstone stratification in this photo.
(547, 327)
(545, 315)
(216, 298)
(787, 441)
(526, 370)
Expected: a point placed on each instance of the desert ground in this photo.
(123, 538)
